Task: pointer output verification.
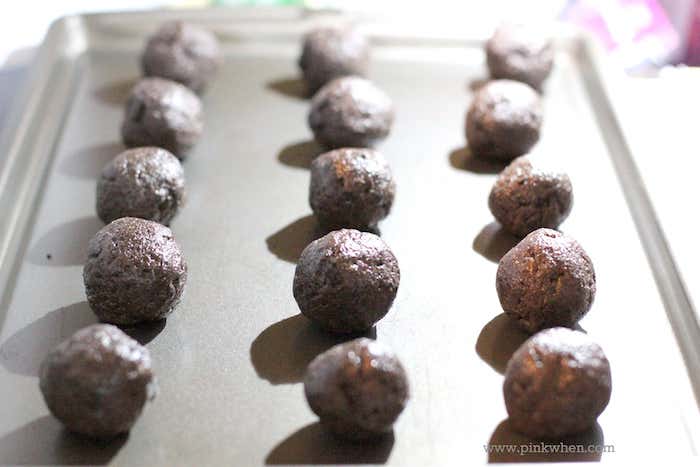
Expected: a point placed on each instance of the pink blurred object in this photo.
(692, 51)
(638, 32)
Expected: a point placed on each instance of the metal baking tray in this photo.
(230, 359)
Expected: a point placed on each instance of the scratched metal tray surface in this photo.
(230, 359)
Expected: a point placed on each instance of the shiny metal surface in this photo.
(230, 359)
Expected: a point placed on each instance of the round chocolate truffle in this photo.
(332, 52)
(182, 52)
(162, 113)
(520, 53)
(346, 281)
(97, 381)
(525, 198)
(503, 121)
(142, 182)
(556, 384)
(351, 188)
(546, 280)
(134, 273)
(350, 112)
(358, 389)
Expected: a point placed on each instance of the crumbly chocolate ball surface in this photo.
(546, 280)
(503, 120)
(520, 53)
(350, 112)
(97, 381)
(525, 198)
(346, 281)
(145, 182)
(333, 52)
(556, 384)
(162, 113)
(134, 273)
(182, 52)
(358, 389)
(351, 188)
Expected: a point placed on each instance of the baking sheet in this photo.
(230, 359)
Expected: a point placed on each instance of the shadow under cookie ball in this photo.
(520, 53)
(546, 280)
(556, 384)
(346, 281)
(525, 198)
(146, 182)
(358, 389)
(134, 273)
(162, 113)
(503, 120)
(184, 53)
(351, 188)
(333, 52)
(97, 381)
(350, 112)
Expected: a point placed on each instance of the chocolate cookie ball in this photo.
(556, 384)
(332, 52)
(143, 182)
(162, 113)
(503, 121)
(184, 53)
(346, 281)
(97, 381)
(525, 198)
(350, 112)
(351, 188)
(134, 273)
(520, 53)
(358, 389)
(546, 280)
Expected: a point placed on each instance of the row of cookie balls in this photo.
(558, 381)
(97, 381)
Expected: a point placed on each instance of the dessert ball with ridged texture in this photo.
(503, 120)
(526, 197)
(358, 389)
(521, 53)
(333, 52)
(162, 113)
(182, 52)
(145, 182)
(135, 272)
(97, 381)
(556, 384)
(346, 281)
(351, 188)
(350, 112)
(546, 280)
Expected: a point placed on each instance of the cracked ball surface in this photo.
(546, 280)
(556, 384)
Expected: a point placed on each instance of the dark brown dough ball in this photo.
(503, 121)
(351, 188)
(350, 112)
(346, 281)
(332, 52)
(525, 198)
(182, 52)
(135, 272)
(546, 280)
(162, 113)
(97, 381)
(556, 384)
(520, 53)
(358, 389)
(143, 182)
